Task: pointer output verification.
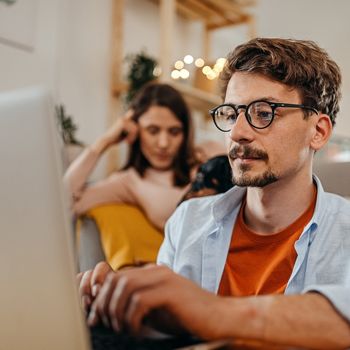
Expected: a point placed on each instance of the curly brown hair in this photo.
(300, 64)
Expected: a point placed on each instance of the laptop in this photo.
(39, 302)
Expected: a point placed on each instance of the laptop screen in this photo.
(38, 301)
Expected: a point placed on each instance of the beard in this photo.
(261, 180)
(243, 178)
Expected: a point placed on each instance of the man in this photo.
(277, 232)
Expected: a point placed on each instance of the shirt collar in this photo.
(321, 202)
(228, 202)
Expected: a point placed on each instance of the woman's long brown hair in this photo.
(164, 95)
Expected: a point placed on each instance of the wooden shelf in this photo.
(119, 88)
(198, 99)
(215, 13)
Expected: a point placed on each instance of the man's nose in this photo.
(241, 129)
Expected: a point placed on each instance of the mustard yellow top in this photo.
(127, 236)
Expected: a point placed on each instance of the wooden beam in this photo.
(117, 44)
(117, 41)
(225, 5)
(252, 33)
(119, 88)
(214, 13)
(206, 48)
(187, 12)
(245, 3)
(167, 25)
(202, 8)
(243, 20)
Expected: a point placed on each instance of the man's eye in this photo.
(229, 117)
(264, 114)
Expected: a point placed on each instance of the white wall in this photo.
(83, 70)
(22, 67)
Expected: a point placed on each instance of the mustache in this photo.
(247, 152)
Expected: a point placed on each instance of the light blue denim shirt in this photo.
(198, 235)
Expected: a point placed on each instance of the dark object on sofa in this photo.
(213, 176)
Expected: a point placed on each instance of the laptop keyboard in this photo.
(103, 338)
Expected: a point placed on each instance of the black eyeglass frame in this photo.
(273, 106)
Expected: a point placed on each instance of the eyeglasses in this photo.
(259, 114)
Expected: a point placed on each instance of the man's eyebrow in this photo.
(269, 98)
(263, 98)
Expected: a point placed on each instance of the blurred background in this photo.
(93, 53)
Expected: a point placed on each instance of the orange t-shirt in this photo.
(260, 264)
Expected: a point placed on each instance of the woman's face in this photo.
(161, 136)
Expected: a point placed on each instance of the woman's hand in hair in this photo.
(130, 127)
(124, 128)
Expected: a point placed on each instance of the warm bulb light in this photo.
(199, 62)
(175, 74)
(179, 65)
(211, 76)
(217, 68)
(206, 70)
(157, 71)
(188, 59)
(184, 73)
(221, 61)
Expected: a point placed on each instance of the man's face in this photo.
(259, 157)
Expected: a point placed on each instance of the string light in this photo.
(179, 65)
(221, 61)
(211, 73)
(184, 73)
(199, 62)
(157, 71)
(206, 70)
(211, 76)
(175, 74)
(188, 59)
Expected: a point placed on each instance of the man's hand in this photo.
(90, 283)
(128, 297)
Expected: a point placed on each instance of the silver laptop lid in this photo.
(39, 305)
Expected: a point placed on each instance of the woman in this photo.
(158, 169)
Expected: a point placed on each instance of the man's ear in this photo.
(322, 132)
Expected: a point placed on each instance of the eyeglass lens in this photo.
(259, 115)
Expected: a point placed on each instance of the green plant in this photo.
(8, 2)
(67, 126)
(141, 71)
